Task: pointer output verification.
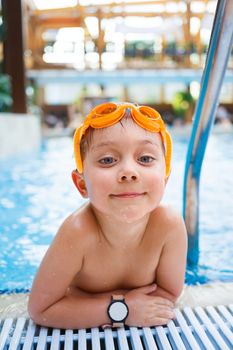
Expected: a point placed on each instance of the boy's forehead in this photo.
(125, 130)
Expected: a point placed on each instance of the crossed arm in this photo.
(53, 303)
(84, 310)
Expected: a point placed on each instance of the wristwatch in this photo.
(118, 311)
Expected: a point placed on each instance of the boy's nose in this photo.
(128, 176)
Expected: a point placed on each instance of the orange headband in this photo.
(108, 114)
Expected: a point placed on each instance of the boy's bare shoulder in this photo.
(80, 227)
(166, 212)
(168, 218)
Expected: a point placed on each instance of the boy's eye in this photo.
(146, 159)
(107, 160)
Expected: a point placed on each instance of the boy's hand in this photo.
(146, 310)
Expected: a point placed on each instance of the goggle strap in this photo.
(168, 142)
(77, 150)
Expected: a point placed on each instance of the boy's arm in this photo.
(82, 310)
(51, 302)
(171, 268)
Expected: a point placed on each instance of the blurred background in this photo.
(58, 59)
(61, 57)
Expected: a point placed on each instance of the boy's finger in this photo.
(164, 313)
(163, 301)
(159, 321)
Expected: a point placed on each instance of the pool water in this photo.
(37, 193)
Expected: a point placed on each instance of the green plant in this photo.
(182, 102)
(5, 93)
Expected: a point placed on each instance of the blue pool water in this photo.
(36, 194)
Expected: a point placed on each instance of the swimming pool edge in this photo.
(217, 293)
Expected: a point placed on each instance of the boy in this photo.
(120, 259)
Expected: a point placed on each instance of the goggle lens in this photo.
(105, 109)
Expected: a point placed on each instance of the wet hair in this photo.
(86, 141)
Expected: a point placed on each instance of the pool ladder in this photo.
(212, 79)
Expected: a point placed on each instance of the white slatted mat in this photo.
(193, 329)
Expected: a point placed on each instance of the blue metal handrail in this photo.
(212, 79)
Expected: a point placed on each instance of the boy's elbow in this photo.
(174, 297)
(171, 295)
(35, 314)
(176, 294)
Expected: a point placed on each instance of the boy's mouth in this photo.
(128, 194)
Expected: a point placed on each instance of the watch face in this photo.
(118, 311)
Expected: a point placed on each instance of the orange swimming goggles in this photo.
(108, 114)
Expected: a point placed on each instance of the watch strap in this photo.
(119, 297)
(113, 325)
(118, 324)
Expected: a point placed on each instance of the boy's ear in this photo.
(79, 183)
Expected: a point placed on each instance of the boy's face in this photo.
(124, 171)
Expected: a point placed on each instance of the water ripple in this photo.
(36, 194)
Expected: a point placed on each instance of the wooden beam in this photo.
(110, 14)
(75, 17)
(14, 52)
(92, 10)
(100, 40)
(60, 22)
